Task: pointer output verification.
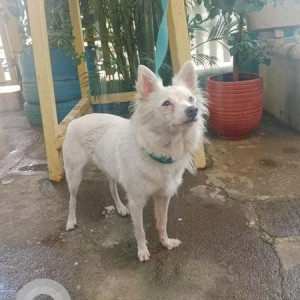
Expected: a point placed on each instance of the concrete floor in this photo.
(239, 221)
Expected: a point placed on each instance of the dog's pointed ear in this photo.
(146, 83)
(187, 76)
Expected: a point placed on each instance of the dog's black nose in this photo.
(191, 112)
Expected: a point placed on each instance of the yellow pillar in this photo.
(79, 45)
(37, 20)
(179, 42)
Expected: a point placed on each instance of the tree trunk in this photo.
(236, 76)
(236, 57)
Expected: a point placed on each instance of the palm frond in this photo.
(207, 61)
(220, 32)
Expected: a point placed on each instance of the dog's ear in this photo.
(187, 76)
(146, 83)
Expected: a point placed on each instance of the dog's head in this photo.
(177, 106)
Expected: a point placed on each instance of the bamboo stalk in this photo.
(144, 32)
(104, 38)
(118, 37)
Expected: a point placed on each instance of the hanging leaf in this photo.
(207, 61)
(198, 17)
(207, 4)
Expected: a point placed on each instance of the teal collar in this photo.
(162, 159)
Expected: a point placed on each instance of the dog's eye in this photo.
(166, 103)
(191, 99)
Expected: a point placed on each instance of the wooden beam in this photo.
(199, 158)
(79, 46)
(179, 42)
(113, 98)
(81, 108)
(37, 20)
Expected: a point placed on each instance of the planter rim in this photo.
(255, 75)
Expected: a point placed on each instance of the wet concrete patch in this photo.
(55, 191)
(268, 162)
(34, 168)
(279, 218)
(119, 285)
(54, 241)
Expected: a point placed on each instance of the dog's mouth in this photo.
(187, 122)
(191, 121)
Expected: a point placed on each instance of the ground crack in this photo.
(270, 240)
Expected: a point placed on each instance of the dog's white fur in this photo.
(121, 148)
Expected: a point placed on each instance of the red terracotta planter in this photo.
(235, 107)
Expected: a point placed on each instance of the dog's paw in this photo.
(71, 225)
(143, 254)
(171, 243)
(123, 211)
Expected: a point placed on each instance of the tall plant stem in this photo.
(145, 33)
(236, 76)
(104, 39)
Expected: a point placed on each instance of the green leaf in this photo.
(207, 4)
(213, 13)
(198, 17)
(206, 61)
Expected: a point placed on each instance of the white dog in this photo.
(147, 154)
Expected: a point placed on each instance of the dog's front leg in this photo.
(161, 215)
(136, 212)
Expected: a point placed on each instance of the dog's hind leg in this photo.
(121, 208)
(161, 214)
(136, 212)
(74, 178)
(74, 162)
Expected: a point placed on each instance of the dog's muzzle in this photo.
(191, 112)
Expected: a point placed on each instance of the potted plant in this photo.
(236, 98)
(63, 59)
